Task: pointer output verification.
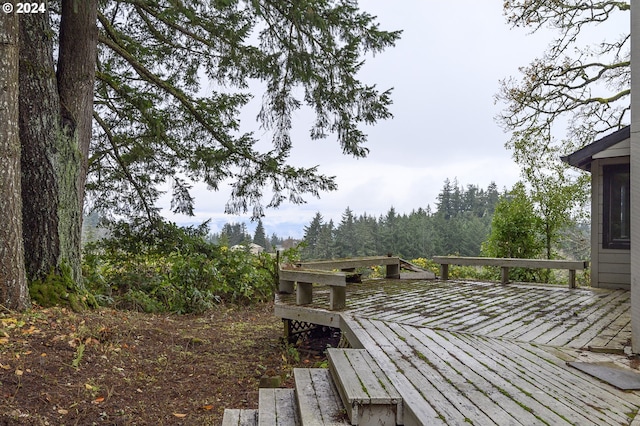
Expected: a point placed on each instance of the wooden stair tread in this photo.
(318, 399)
(237, 417)
(277, 407)
(364, 388)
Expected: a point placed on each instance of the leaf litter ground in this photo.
(107, 367)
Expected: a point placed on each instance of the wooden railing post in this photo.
(393, 271)
(444, 271)
(304, 293)
(572, 278)
(504, 275)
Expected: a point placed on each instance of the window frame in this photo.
(609, 172)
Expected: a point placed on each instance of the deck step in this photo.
(236, 417)
(277, 407)
(366, 392)
(318, 399)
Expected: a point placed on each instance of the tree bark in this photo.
(14, 293)
(76, 77)
(39, 135)
(55, 131)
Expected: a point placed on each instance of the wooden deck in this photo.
(479, 353)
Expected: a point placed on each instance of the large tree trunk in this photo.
(14, 293)
(40, 136)
(76, 77)
(55, 131)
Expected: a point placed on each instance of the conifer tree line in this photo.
(460, 224)
(234, 233)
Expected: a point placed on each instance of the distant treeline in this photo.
(460, 223)
(233, 234)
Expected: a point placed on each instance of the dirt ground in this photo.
(106, 367)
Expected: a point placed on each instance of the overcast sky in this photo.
(445, 72)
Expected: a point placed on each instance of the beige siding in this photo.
(610, 267)
(621, 149)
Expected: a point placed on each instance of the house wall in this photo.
(610, 268)
(621, 149)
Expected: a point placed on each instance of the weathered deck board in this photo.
(541, 314)
(492, 381)
(415, 405)
(486, 353)
(367, 394)
(277, 407)
(239, 417)
(318, 399)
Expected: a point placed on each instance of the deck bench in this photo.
(509, 262)
(305, 278)
(392, 264)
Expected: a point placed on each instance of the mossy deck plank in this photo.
(488, 353)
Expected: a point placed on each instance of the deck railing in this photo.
(305, 274)
(509, 262)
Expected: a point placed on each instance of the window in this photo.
(616, 207)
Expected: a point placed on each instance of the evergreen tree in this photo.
(326, 248)
(259, 237)
(111, 102)
(445, 202)
(274, 241)
(346, 242)
(389, 228)
(366, 230)
(235, 233)
(312, 237)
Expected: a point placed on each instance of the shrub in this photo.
(168, 268)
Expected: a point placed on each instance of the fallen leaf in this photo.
(62, 411)
(19, 372)
(207, 407)
(179, 415)
(5, 367)
(98, 400)
(93, 341)
(4, 340)
(31, 330)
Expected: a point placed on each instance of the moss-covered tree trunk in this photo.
(55, 132)
(13, 284)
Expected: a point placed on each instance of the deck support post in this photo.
(444, 271)
(285, 286)
(504, 274)
(393, 271)
(337, 298)
(304, 293)
(572, 278)
(288, 330)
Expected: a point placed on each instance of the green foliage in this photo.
(173, 269)
(427, 264)
(514, 227)
(515, 232)
(156, 122)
